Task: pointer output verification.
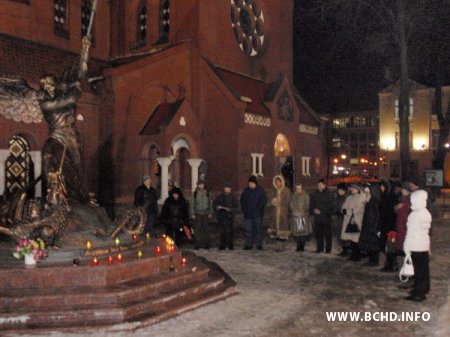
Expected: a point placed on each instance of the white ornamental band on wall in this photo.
(257, 120)
(310, 130)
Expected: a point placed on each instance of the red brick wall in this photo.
(34, 22)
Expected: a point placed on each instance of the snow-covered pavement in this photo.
(288, 294)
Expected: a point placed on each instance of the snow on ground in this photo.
(288, 294)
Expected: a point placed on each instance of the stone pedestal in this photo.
(139, 291)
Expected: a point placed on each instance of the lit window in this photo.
(411, 108)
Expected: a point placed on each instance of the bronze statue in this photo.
(55, 102)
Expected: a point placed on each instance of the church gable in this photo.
(247, 89)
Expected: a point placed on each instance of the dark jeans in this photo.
(421, 273)
(149, 222)
(253, 232)
(226, 233)
(201, 230)
(323, 232)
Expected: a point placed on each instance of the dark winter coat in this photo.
(369, 239)
(146, 197)
(323, 201)
(253, 202)
(175, 213)
(402, 217)
(226, 206)
(387, 213)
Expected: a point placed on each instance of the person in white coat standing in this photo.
(353, 210)
(417, 243)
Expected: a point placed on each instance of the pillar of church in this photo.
(36, 157)
(165, 163)
(3, 156)
(195, 164)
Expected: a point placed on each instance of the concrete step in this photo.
(67, 316)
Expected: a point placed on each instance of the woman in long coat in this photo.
(299, 206)
(175, 215)
(353, 206)
(369, 239)
(279, 228)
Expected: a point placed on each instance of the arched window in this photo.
(61, 18)
(141, 23)
(19, 168)
(164, 21)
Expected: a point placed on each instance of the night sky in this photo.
(341, 69)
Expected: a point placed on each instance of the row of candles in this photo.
(170, 246)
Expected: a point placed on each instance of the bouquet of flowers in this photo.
(34, 247)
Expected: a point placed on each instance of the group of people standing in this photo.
(383, 217)
(391, 218)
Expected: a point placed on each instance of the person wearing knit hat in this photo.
(253, 179)
(253, 201)
(145, 196)
(342, 186)
(200, 207)
(226, 206)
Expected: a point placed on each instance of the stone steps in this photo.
(18, 300)
(97, 315)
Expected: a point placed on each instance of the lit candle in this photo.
(134, 237)
(119, 257)
(158, 250)
(95, 261)
(88, 244)
(183, 261)
(117, 241)
(139, 254)
(147, 236)
(110, 259)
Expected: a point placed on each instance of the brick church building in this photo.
(177, 89)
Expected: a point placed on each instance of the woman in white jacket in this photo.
(353, 206)
(417, 243)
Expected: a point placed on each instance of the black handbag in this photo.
(352, 227)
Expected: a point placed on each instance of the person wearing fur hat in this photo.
(279, 227)
(145, 196)
(417, 243)
(353, 210)
(175, 215)
(226, 206)
(253, 201)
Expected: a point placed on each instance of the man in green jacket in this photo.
(201, 212)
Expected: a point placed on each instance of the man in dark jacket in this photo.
(253, 200)
(321, 207)
(226, 206)
(146, 196)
